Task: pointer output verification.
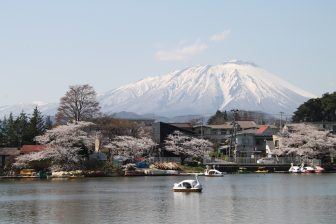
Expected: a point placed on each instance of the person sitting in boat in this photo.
(186, 185)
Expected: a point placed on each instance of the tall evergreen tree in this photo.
(225, 116)
(11, 138)
(21, 125)
(48, 124)
(36, 125)
(218, 118)
(2, 135)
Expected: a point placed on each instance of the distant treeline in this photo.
(220, 117)
(318, 109)
(21, 130)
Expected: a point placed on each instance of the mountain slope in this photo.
(45, 108)
(204, 89)
(195, 90)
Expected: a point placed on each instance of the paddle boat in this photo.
(243, 170)
(306, 169)
(318, 169)
(294, 169)
(212, 173)
(261, 170)
(188, 186)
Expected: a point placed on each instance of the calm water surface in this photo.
(244, 198)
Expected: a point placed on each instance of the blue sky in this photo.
(45, 46)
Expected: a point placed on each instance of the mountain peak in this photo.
(203, 89)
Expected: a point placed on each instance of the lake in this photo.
(234, 198)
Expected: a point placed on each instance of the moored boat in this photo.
(294, 169)
(213, 173)
(261, 170)
(243, 170)
(318, 169)
(306, 169)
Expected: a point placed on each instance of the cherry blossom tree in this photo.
(65, 147)
(306, 140)
(69, 135)
(130, 146)
(186, 146)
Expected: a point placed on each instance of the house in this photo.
(254, 141)
(222, 132)
(161, 130)
(215, 133)
(184, 126)
(26, 149)
(245, 125)
(270, 148)
(246, 143)
(7, 154)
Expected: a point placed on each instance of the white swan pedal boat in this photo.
(188, 186)
(213, 173)
(294, 169)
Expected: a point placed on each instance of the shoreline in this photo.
(158, 175)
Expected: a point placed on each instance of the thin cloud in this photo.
(220, 36)
(181, 53)
(185, 51)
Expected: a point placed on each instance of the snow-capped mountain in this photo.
(196, 90)
(45, 108)
(204, 89)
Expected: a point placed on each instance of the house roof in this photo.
(9, 152)
(247, 124)
(221, 126)
(182, 125)
(216, 126)
(25, 149)
(262, 129)
(229, 125)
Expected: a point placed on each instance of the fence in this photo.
(164, 159)
(269, 161)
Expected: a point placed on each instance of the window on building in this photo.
(276, 143)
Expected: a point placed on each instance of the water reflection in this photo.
(271, 198)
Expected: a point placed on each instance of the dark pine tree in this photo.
(218, 118)
(36, 125)
(2, 134)
(48, 124)
(21, 126)
(11, 138)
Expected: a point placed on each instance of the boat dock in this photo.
(245, 164)
(233, 168)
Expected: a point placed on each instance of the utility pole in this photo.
(234, 133)
(281, 114)
(202, 136)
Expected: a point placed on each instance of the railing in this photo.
(273, 161)
(164, 159)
